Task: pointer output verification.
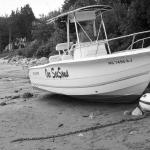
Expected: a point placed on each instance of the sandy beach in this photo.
(44, 115)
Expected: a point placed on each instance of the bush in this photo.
(42, 51)
(46, 50)
(30, 50)
(27, 95)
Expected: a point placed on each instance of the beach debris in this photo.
(42, 61)
(8, 97)
(137, 112)
(85, 116)
(91, 116)
(32, 62)
(94, 114)
(143, 107)
(9, 79)
(80, 134)
(27, 95)
(60, 125)
(16, 91)
(3, 103)
(144, 102)
(132, 132)
(15, 97)
(127, 112)
(26, 62)
(15, 59)
(53, 139)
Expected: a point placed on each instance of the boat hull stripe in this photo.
(94, 85)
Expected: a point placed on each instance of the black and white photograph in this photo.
(74, 75)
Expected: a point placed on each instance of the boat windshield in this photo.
(88, 23)
(89, 28)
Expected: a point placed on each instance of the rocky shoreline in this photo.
(19, 60)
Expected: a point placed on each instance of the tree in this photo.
(72, 4)
(20, 22)
(4, 34)
(24, 22)
(42, 31)
(138, 16)
(68, 4)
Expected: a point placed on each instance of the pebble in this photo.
(137, 112)
(3, 104)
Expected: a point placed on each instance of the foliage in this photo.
(17, 25)
(43, 50)
(48, 48)
(115, 22)
(30, 50)
(4, 37)
(138, 16)
(127, 16)
(21, 22)
(72, 4)
(42, 32)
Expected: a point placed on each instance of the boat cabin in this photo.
(89, 41)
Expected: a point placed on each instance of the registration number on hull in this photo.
(120, 61)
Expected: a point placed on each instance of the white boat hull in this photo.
(117, 75)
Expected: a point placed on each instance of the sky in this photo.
(38, 6)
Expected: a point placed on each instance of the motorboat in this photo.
(88, 68)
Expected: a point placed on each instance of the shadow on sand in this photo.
(71, 102)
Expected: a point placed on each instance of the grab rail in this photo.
(143, 39)
(124, 36)
(113, 39)
(133, 39)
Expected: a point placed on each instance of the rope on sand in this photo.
(82, 130)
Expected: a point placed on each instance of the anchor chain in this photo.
(82, 130)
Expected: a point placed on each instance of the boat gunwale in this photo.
(95, 58)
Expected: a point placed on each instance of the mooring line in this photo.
(82, 130)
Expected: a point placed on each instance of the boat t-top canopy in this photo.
(83, 13)
(87, 13)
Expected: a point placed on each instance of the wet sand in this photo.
(46, 114)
